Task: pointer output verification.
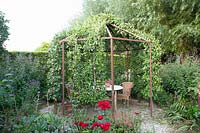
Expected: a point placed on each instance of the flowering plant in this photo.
(124, 121)
(127, 121)
(100, 122)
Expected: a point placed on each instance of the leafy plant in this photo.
(40, 123)
(85, 61)
(20, 80)
(4, 32)
(181, 80)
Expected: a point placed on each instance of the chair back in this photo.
(68, 87)
(127, 86)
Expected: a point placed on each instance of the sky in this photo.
(35, 21)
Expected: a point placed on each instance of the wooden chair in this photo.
(68, 88)
(127, 87)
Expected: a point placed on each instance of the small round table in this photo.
(116, 88)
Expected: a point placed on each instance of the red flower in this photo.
(95, 124)
(136, 113)
(105, 126)
(76, 123)
(104, 105)
(100, 117)
(82, 124)
(107, 123)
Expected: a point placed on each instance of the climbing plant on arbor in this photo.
(84, 57)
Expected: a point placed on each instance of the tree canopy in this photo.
(175, 23)
(43, 48)
(3, 31)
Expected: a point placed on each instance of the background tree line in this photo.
(175, 23)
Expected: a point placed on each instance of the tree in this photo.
(94, 7)
(3, 32)
(43, 48)
(175, 23)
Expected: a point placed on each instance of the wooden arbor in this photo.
(112, 38)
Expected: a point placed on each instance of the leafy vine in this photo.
(85, 64)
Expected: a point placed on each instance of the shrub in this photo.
(22, 76)
(181, 80)
(87, 96)
(40, 123)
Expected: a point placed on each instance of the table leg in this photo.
(115, 101)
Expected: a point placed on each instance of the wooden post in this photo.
(112, 76)
(63, 76)
(150, 79)
(112, 72)
(94, 69)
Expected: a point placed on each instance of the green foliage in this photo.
(43, 48)
(54, 63)
(48, 122)
(23, 75)
(26, 67)
(3, 31)
(84, 58)
(88, 96)
(181, 80)
(175, 23)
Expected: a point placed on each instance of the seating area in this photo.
(127, 87)
(126, 91)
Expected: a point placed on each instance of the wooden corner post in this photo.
(63, 76)
(150, 78)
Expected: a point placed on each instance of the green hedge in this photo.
(22, 75)
(180, 81)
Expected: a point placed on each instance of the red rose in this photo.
(104, 105)
(76, 123)
(107, 123)
(82, 124)
(105, 126)
(100, 117)
(94, 125)
(101, 125)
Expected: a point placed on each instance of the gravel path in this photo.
(157, 124)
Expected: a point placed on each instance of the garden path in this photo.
(155, 124)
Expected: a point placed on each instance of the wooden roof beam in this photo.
(130, 32)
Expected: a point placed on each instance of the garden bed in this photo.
(157, 124)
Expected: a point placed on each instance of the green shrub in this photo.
(22, 76)
(181, 81)
(87, 96)
(40, 123)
